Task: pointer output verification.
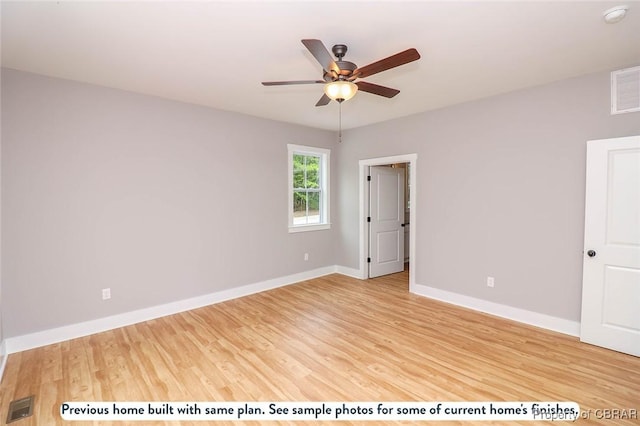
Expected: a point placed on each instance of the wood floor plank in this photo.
(333, 338)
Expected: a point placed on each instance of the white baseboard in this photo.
(3, 357)
(548, 322)
(349, 272)
(73, 331)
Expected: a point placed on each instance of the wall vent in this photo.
(20, 408)
(625, 90)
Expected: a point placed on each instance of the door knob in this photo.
(591, 253)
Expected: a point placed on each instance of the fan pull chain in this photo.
(339, 122)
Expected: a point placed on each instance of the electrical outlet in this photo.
(306, 256)
(490, 282)
(106, 293)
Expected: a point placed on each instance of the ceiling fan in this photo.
(339, 75)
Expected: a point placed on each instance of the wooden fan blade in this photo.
(393, 61)
(323, 100)
(387, 92)
(321, 54)
(285, 83)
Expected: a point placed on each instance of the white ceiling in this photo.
(217, 53)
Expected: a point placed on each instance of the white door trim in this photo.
(364, 235)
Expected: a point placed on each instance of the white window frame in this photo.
(325, 160)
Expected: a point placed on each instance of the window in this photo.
(308, 188)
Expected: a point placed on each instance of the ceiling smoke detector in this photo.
(615, 14)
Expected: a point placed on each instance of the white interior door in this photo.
(386, 210)
(611, 272)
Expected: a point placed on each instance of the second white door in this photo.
(386, 213)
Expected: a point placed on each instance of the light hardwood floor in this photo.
(329, 339)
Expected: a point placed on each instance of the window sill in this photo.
(307, 228)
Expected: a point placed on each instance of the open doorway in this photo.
(410, 162)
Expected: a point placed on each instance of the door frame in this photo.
(363, 165)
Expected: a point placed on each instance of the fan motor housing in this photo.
(346, 68)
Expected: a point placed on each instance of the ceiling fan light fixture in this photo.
(340, 90)
(615, 14)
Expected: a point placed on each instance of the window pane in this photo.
(298, 161)
(298, 179)
(298, 171)
(314, 207)
(313, 172)
(299, 207)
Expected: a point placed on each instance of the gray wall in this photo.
(158, 200)
(501, 185)
(162, 201)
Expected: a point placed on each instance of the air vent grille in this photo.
(20, 408)
(625, 90)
